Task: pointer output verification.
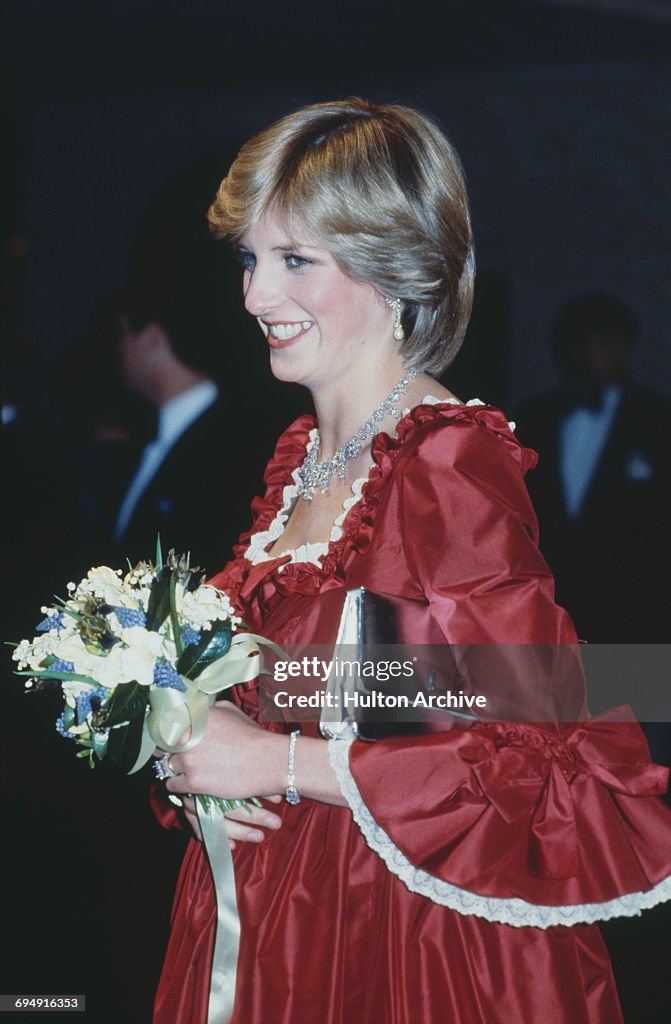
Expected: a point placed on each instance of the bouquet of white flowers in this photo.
(139, 658)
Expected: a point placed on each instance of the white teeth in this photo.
(283, 332)
(306, 325)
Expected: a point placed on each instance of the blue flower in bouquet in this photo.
(62, 730)
(166, 674)
(52, 621)
(190, 636)
(129, 617)
(59, 665)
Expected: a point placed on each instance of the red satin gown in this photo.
(406, 908)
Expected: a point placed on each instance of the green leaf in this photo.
(127, 703)
(221, 805)
(213, 644)
(174, 619)
(123, 744)
(68, 716)
(75, 677)
(158, 607)
(70, 611)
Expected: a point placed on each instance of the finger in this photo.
(179, 784)
(244, 833)
(254, 816)
(173, 764)
(276, 798)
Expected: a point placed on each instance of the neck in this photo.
(173, 384)
(342, 411)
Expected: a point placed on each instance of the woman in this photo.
(395, 882)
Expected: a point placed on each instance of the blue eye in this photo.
(246, 258)
(293, 262)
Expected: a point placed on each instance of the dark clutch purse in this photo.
(393, 673)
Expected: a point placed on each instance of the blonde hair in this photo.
(383, 190)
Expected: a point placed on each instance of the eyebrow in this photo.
(293, 244)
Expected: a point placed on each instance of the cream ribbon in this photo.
(174, 712)
(171, 714)
(227, 935)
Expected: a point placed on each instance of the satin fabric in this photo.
(329, 934)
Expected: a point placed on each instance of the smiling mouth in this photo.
(280, 335)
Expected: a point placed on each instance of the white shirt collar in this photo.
(179, 413)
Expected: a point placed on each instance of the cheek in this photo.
(343, 307)
(356, 309)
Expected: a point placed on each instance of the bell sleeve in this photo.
(538, 814)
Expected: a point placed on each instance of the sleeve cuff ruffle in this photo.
(539, 826)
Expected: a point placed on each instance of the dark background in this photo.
(562, 114)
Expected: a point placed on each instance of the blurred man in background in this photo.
(195, 477)
(602, 488)
(184, 345)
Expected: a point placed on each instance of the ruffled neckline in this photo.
(262, 540)
(245, 580)
(313, 553)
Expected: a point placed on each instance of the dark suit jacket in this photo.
(612, 562)
(200, 496)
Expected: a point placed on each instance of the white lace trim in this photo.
(514, 911)
(260, 542)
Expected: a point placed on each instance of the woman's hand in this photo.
(241, 825)
(235, 759)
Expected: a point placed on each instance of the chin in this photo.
(287, 370)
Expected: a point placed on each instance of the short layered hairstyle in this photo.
(383, 190)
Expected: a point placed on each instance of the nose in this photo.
(261, 290)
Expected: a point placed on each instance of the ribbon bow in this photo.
(172, 713)
(609, 749)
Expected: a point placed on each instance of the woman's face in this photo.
(322, 327)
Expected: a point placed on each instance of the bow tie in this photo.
(583, 396)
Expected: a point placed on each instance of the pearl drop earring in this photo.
(398, 326)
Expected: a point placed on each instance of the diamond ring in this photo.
(163, 770)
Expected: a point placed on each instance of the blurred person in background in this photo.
(177, 334)
(602, 487)
(181, 341)
(180, 487)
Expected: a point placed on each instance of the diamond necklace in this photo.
(314, 476)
